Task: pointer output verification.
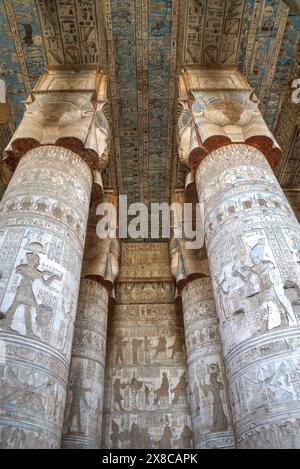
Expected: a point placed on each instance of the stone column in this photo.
(43, 219)
(253, 241)
(84, 409)
(211, 413)
(42, 230)
(83, 417)
(209, 404)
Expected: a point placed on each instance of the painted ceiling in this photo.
(142, 44)
(290, 174)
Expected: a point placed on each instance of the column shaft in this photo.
(43, 218)
(253, 244)
(211, 417)
(83, 417)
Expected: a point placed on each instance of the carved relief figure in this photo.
(135, 386)
(78, 390)
(115, 434)
(220, 421)
(185, 438)
(117, 395)
(162, 394)
(161, 346)
(224, 287)
(272, 289)
(262, 278)
(136, 344)
(147, 348)
(180, 390)
(166, 440)
(255, 285)
(177, 346)
(24, 296)
(147, 394)
(120, 344)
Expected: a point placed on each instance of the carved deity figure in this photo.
(136, 344)
(134, 436)
(120, 344)
(135, 386)
(24, 296)
(220, 421)
(256, 276)
(115, 435)
(162, 393)
(185, 438)
(147, 348)
(177, 346)
(117, 394)
(161, 346)
(279, 310)
(78, 390)
(180, 390)
(166, 440)
(224, 285)
(147, 394)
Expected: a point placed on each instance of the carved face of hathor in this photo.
(60, 117)
(226, 112)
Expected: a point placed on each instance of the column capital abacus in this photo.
(219, 108)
